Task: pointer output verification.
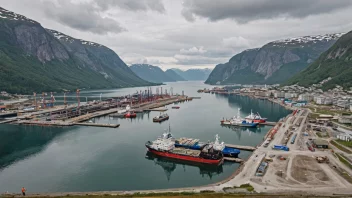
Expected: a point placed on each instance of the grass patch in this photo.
(340, 147)
(249, 187)
(345, 143)
(343, 160)
(322, 135)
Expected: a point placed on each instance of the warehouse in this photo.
(319, 143)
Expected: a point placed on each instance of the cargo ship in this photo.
(165, 147)
(196, 145)
(256, 118)
(161, 117)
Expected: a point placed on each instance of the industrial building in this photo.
(319, 143)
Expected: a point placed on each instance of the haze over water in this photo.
(99, 159)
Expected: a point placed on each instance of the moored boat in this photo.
(165, 147)
(238, 121)
(161, 117)
(256, 118)
(130, 114)
(175, 107)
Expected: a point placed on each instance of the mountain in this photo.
(335, 63)
(193, 74)
(35, 59)
(151, 73)
(273, 63)
(172, 74)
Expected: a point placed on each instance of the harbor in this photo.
(117, 153)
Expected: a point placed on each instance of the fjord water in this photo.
(45, 159)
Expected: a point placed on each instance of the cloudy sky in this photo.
(188, 33)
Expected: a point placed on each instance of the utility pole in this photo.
(78, 100)
(35, 101)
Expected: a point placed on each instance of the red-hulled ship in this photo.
(130, 114)
(256, 118)
(165, 146)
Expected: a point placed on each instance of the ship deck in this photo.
(183, 151)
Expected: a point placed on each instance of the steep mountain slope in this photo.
(34, 59)
(151, 73)
(335, 63)
(274, 62)
(193, 74)
(172, 74)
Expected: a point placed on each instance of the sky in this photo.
(189, 33)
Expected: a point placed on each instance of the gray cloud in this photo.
(83, 16)
(140, 5)
(248, 10)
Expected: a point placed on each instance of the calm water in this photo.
(97, 159)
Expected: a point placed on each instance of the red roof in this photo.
(2, 107)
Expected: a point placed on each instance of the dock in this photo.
(268, 123)
(231, 159)
(98, 125)
(157, 109)
(240, 147)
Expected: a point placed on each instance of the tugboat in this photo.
(165, 147)
(256, 118)
(130, 114)
(161, 117)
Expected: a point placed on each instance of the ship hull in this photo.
(257, 120)
(160, 119)
(248, 125)
(186, 158)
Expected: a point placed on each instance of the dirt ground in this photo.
(306, 169)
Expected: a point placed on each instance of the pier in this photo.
(240, 147)
(98, 125)
(231, 159)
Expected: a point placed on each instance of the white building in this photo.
(343, 103)
(351, 107)
(305, 97)
(279, 94)
(344, 137)
(345, 119)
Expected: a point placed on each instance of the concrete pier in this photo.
(245, 148)
(98, 125)
(231, 159)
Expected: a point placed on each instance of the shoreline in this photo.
(194, 189)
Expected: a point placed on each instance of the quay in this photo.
(98, 125)
(245, 148)
(268, 123)
(231, 159)
(75, 115)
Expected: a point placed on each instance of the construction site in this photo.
(43, 111)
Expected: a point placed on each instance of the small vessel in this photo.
(161, 117)
(238, 121)
(175, 107)
(130, 114)
(255, 118)
(165, 147)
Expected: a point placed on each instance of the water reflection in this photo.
(169, 165)
(20, 142)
